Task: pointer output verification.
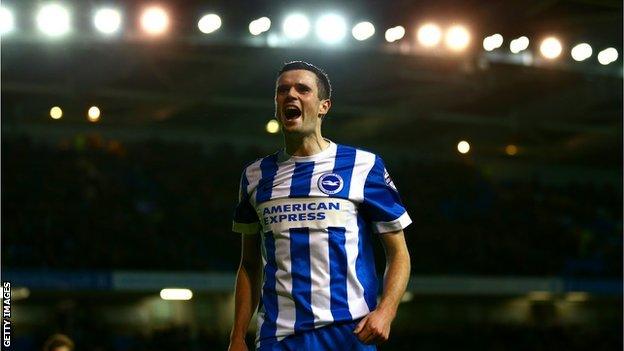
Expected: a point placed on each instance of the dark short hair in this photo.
(58, 340)
(322, 80)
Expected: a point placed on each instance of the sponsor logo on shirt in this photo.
(330, 183)
(298, 212)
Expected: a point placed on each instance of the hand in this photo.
(237, 345)
(375, 327)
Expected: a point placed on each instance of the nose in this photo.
(292, 94)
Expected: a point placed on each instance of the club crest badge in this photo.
(330, 183)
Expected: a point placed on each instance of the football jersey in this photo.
(317, 216)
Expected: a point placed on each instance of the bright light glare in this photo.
(155, 20)
(7, 23)
(209, 23)
(331, 28)
(511, 149)
(259, 26)
(395, 33)
(581, 52)
(56, 112)
(107, 21)
(429, 35)
(492, 42)
(296, 26)
(463, 147)
(457, 38)
(53, 20)
(550, 48)
(607, 56)
(272, 126)
(519, 44)
(93, 114)
(363, 31)
(176, 294)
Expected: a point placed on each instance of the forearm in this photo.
(246, 299)
(396, 278)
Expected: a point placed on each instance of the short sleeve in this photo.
(382, 202)
(245, 218)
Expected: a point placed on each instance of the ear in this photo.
(325, 106)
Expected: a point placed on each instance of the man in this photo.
(308, 214)
(58, 342)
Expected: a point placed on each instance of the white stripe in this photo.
(355, 290)
(319, 276)
(283, 180)
(253, 173)
(400, 223)
(285, 323)
(364, 162)
(326, 165)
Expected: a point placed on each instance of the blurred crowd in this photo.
(93, 203)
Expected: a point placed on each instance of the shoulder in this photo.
(363, 157)
(254, 168)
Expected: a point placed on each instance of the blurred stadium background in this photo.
(124, 133)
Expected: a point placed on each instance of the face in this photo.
(297, 105)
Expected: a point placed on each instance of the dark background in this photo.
(150, 188)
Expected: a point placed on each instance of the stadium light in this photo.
(107, 20)
(363, 31)
(457, 38)
(463, 147)
(209, 23)
(259, 26)
(511, 150)
(7, 22)
(395, 33)
(53, 20)
(176, 294)
(429, 35)
(607, 56)
(550, 48)
(519, 44)
(331, 28)
(492, 42)
(93, 114)
(56, 112)
(272, 126)
(296, 26)
(581, 52)
(155, 20)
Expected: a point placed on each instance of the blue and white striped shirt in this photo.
(316, 215)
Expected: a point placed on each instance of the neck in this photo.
(305, 145)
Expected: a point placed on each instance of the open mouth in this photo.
(292, 112)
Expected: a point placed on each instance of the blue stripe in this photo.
(365, 264)
(345, 160)
(301, 281)
(269, 295)
(301, 178)
(244, 212)
(268, 166)
(338, 274)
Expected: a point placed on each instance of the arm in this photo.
(247, 290)
(375, 327)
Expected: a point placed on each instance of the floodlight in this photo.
(7, 22)
(296, 26)
(429, 35)
(107, 20)
(363, 31)
(457, 38)
(395, 33)
(519, 44)
(492, 42)
(463, 147)
(331, 28)
(581, 52)
(259, 26)
(607, 56)
(155, 20)
(550, 48)
(53, 20)
(209, 23)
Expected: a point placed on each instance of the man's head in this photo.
(58, 342)
(302, 97)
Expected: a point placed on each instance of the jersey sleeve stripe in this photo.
(400, 223)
